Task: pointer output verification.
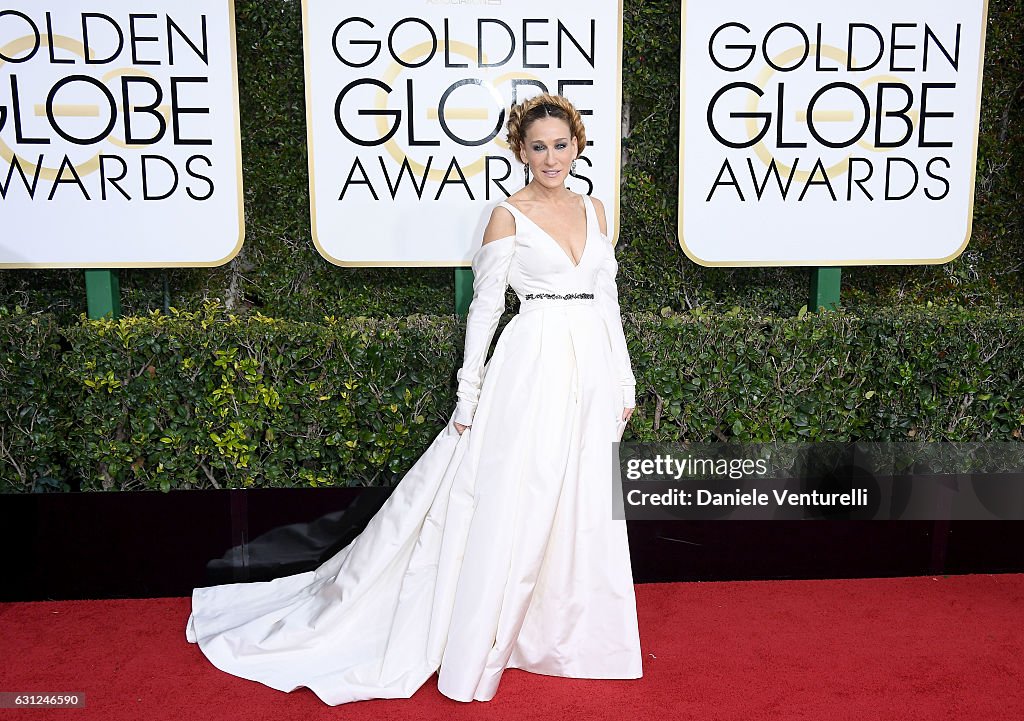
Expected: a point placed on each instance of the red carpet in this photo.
(927, 648)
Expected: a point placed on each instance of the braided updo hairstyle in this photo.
(523, 115)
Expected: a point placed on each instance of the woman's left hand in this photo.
(626, 413)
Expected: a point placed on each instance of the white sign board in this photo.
(406, 105)
(119, 135)
(821, 132)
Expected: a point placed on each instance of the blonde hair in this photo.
(523, 115)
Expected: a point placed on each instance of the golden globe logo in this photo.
(119, 135)
(145, 110)
(407, 105)
(818, 133)
(879, 113)
(416, 113)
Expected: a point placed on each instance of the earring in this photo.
(526, 173)
(572, 168)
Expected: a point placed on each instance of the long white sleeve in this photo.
(491, 264)
(607, 297)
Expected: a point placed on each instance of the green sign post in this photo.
(463, 290)
(824, 289)
(103, 293)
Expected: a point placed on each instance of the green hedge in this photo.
(210, 399)
(207, 399)
(280, 274)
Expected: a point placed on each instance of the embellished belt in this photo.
(565, 296)
(533, 301)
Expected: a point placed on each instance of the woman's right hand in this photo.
(460, 428)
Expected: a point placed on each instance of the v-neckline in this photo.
(586, 238)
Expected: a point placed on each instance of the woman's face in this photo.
(549, 150)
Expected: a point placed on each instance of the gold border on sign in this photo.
(458, 263)
(617, 185)
(241, 193)
(815, 263)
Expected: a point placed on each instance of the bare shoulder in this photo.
(601, 218)
(501, 225)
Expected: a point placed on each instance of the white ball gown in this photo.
(497, 549)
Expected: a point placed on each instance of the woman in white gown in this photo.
(498, 548)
